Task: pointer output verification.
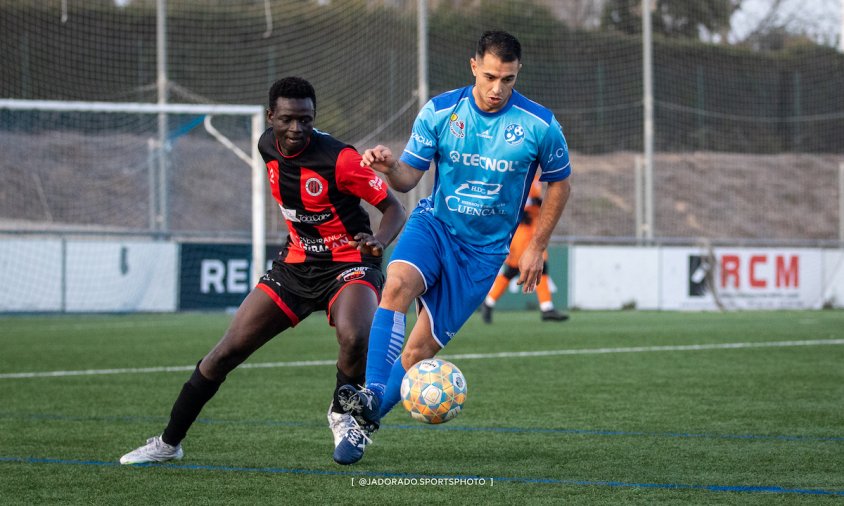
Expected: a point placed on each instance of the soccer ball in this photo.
(433, 391)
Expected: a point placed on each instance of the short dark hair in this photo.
(501, 44)
(291, 87)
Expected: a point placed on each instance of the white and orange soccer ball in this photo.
(433, 391)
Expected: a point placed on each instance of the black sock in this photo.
(342, 379)
(195, 393)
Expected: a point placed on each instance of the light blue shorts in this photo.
(457, 276)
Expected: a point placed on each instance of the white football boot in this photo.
(155, 450)
(340, 424)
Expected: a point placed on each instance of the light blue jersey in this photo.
(485, 162)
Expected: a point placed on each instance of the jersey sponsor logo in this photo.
(273, 175)
(486, 163)
(307, 218)
(456, 125)
(313, 244)
(478, 190)
(314, 218)
(353, 274)
(457, 205)
(421, 139)
(322, 244)
(514, 134)
(313, 186)
(376, 183)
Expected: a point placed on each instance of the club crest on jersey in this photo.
(353, 274)
(313, 186)
(456, 125)
(514, 134)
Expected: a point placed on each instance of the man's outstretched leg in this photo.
(194, 394)
(257, 321)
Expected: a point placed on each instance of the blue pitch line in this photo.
(597, 432)
(419, 426)
(768, 489)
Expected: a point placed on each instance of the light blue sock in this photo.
(385, 342)
(393, 393)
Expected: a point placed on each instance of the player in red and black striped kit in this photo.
(331, 262)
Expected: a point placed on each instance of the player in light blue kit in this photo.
(486, 141)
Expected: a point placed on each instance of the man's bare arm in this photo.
(401, 176)
(530, 265)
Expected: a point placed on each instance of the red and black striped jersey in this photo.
(319, 191)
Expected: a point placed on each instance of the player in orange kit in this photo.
(519, 243)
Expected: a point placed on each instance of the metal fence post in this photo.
(841, 204)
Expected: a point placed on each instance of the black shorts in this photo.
(301, 289)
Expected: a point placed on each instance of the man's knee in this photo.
(352, 339)
(228, 354)
(218, 364)
(401, 288)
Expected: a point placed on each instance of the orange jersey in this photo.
(524, 232)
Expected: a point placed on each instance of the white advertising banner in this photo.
(51, 275)
(121, 276)
(742, 278)
(605, 277)
(31, 275)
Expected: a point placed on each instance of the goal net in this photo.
(747, 143)
(103, 201)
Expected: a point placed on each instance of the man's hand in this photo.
(400, 176)
(368, 245)
(530, 269)
(380, 158)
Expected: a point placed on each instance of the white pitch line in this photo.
(174, 368)
(644, 349)
(464, 356)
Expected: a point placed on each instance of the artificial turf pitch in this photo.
(607, 408)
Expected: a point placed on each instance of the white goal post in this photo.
(256, 113)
